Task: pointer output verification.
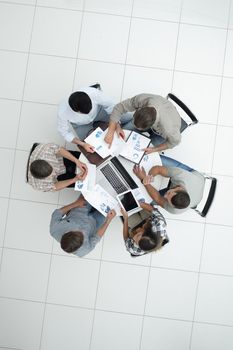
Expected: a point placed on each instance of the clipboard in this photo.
(134, 144)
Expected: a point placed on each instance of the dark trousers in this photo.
(70, 168)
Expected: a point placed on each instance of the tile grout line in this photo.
(108, 62)
(212, 165)
(116, 312)
(144, 310)
(118, 15)
(126, 52)
(96, 295)
(177, 43)
(17, 134)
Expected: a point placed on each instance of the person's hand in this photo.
(139, 172)
(88, 148)
(120, 132)
(149, 150)
(81, 202)
(83, 167)
(111, 214)
(148, 179)
(124, 213)
(108, 138)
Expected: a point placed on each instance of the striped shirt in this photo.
(47, 152)
(158, 226)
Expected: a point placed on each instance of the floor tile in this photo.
(192, 142)
(97, 43)
(211, 337)
(65, 4)
(10, 111)
(179, 303)
(168, 10)
(23, 231)
(114, 247)
(200, 93)
(12, 72)
(224, 141)
(228, 66)
(21, 279)
(3, 218)
(140, 80)
(214, 300)
(7, 159)
(231, 18)
(217, 252)
(52, 28)
(16, 22)
(225, 103)
(80, 277)
(21, 189)
(49, 79)
(221, 209)
(20, 323)
(40, 120)
(166, 334)
(144, 54)
(66, 325)
(117, 335)
(90, 72)
(130, 296)
(184, 249)
(116, 7)
(209, 42)
(206, 12)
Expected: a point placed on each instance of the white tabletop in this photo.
(148, 161)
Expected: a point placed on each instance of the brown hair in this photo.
(144, 117)
(180, 200)
(71, 241)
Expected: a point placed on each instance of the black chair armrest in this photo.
(184, 107)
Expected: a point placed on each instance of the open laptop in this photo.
(114, 178)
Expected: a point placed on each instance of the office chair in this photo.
(184, 124)
(209, 189)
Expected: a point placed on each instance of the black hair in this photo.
(80, 102)
(145, 117)
(71, 241)
(149, 238)
(180, 200)
(40, 169)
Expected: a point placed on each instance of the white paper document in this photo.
(133, 149)
(101, 200)
(89, 182)
(96, 139)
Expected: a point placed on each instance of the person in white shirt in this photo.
(81, 109)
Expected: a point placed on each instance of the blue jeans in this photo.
(170, 162)
(99, 218)
(101, 116)
(155, 138)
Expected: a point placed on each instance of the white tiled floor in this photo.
(177, 299)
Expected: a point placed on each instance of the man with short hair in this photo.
(184, 189)
(152, 113)
(81, 109)
(79, 227)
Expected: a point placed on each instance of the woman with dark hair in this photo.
(148, 235)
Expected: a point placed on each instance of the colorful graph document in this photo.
(133, 149)
(96, 139)
(101, 200)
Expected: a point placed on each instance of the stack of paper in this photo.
(96, 139)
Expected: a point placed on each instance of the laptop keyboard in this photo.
(113, 179)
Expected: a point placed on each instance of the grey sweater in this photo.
(168, 121)
(78, 219)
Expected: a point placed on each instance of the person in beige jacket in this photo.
(151, 113)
